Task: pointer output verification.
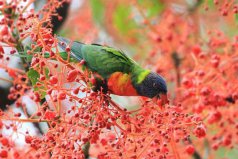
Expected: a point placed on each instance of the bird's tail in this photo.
(75, 47)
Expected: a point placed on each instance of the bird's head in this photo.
(153, 86)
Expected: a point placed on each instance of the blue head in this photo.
(152, 86)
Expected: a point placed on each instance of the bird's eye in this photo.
(154, 85)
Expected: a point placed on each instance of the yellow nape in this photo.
(142, 75)
(120, 84)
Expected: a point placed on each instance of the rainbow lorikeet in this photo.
(120, 75)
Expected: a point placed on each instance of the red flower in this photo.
(200, 131)
(190, 149)
(49, 115)
(72, 75)
(3, 154)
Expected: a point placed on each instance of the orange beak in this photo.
(163, 99)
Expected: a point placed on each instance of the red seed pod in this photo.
(17, 114)
(38, 114)
(200, 73)
(12, 51)
(72, 75)
(215, 146)
(190, 149)
(1, 50)
(76, 91)
(82, 62)
(198, 108)
(39, 43)
(158, 39)
(49, 91)
(28, 139)
(224, 12)
(227, 140)
(47, 36)
(61, 96)
(214, 117)
(85, 139)
(16, 154)
(202, 55)
(215, 62)
(1, 124)
(52, 53)
(67, 49)
(187, 82)
(235, 10)
(53, 80)
(205, 91)
(4, 141)
(200, 131)
(42, 63)
(103, 142)
(34, 61)
(49, 115)
(36, 97)
(3, 154)
(235, 96)
(196, 50)
(4, 31)
(93, 80)
(164, 149)
(42, 77)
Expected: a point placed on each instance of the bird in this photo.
(119, 74)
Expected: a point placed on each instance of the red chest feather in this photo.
(120, 84)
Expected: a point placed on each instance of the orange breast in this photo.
(120, 84)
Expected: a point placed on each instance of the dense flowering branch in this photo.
(201, 71)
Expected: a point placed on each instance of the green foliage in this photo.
(33, 75)
(122, 20)
(226, 153)
(47, 71)
(27, 58)
(64, 56)
(236, 18)
(210, 3)
(152, 7)
(98, 10)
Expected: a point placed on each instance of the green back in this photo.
(106, 60)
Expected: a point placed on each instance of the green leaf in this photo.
(236, 18)
(226, 153)
(63, 55)
(152, 7)
(98, 10)
(210, 3)
(33, 75)
(47, 73)
(22, 54)
(41, 90)
(28, 57)
(122, 20)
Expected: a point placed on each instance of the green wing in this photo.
(106, 60)
(101, 59)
